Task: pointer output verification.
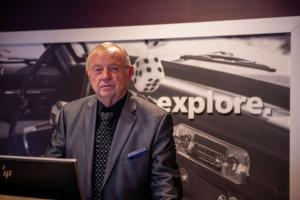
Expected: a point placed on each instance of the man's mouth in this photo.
(106, 86)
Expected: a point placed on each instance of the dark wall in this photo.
(53, 14)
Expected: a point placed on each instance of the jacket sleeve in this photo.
(165, 176)
(57, 143)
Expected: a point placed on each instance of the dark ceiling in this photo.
(53, 14)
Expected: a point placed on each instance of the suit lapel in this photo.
(123, 130)
(90, 125)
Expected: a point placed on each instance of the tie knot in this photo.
(106, 116)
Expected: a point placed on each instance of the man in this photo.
(134, 156)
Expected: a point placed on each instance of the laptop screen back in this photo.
(40, 177)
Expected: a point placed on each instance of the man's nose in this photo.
(106, 74)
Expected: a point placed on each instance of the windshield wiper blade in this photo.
(228, 58)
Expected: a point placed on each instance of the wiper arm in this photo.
(228, 58)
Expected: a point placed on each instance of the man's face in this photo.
(109, 75)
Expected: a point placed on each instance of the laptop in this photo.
(39, 177)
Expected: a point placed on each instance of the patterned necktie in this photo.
(103, 141)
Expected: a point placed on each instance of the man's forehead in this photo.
(100, 58)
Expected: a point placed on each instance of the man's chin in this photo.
(106, 91)
(106, 94)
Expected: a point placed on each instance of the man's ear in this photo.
(130, 71)
(88, 72)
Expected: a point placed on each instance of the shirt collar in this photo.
(116, 108)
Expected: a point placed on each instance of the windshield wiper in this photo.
(228, 58)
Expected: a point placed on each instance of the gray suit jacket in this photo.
(153, 175)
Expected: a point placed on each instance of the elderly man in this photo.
(123, 144)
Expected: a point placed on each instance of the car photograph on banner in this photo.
(228, 96)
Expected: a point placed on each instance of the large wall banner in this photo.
(229, 96)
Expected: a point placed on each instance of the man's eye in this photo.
(114, 69)
(97, 69)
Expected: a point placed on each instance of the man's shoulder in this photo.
(148, 107)
(82, 102)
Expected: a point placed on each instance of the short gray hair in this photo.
(106, 45)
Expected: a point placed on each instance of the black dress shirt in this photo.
(115, 109)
